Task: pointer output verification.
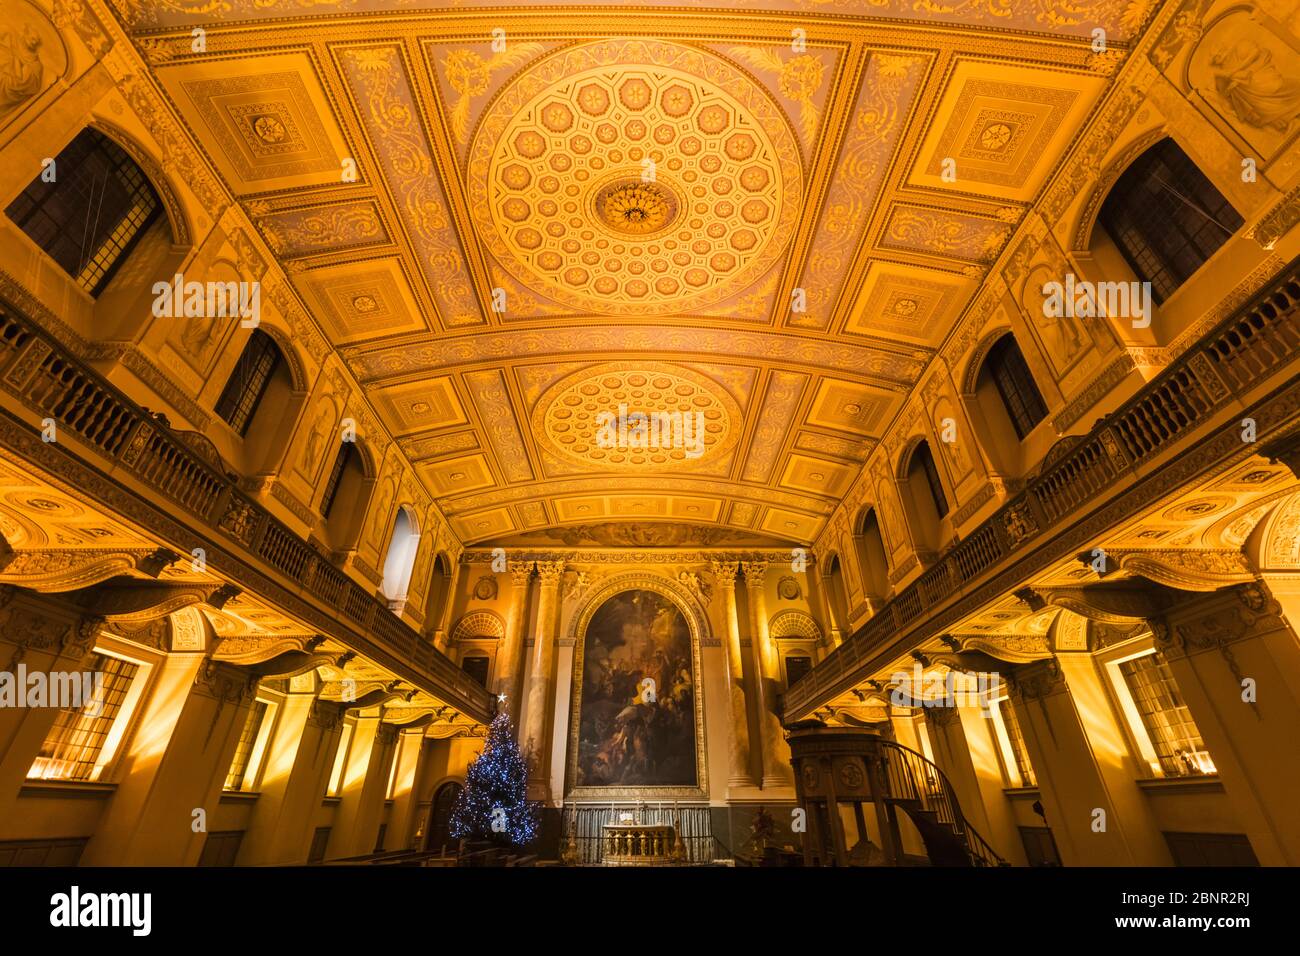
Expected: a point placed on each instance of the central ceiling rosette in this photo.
(635, 177)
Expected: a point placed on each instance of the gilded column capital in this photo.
(550, 572)
(1036, 680)
(520, 573)
(724, 572)
(755, 571)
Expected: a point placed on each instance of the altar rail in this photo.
(44, 376)
(694, 824)
(1259, 340)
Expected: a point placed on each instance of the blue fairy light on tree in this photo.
(493, 805)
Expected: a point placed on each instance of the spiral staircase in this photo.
(848, 766)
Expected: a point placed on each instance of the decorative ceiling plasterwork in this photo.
(647, 190)
(635, 177)
(1120, 18)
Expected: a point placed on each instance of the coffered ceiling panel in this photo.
(735, 219)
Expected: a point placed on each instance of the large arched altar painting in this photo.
(637, 719)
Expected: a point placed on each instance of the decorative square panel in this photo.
(999, 129)
(320, 229)
(790, 524)
(944, 233)
(742, 514)
(418, 406)
(580, 509)
(696, 509)
(483, 524)
(849, 407)
(456, 476)
(904, 302)
(361, 301)
(268, 121)
(804, 473)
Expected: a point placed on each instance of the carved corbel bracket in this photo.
(1121, 602)
(129, 601)
(69, 570)
(403, 720)
(1186, 570)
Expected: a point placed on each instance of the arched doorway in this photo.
(438, 833)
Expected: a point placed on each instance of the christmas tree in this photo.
(492, 804)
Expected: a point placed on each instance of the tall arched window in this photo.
(1015, 385)
(439, 589)
(91, 212)
(871, 556)
(343, 500)
(346, 456)
(1166, 218)
(249, 381)
(401, 558)
(837, 595)
(923, 469)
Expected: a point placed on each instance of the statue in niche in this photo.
(318, 438)
(198, 336)
(381, 513)
(1062, 336)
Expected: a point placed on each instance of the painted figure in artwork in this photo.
(637, 709)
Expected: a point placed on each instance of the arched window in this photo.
(401, 558)
(871, 556)
(1166, 218)
(249, 381)
(346, 456)
(922, 468)
(92, 212)
(1020, 396)
(343, 500)
(837, 595)
(439, 588)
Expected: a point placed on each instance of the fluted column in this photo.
(540, 676)
(724, 572)
(776, 753)
(510, 659)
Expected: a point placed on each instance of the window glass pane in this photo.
(93, 213)
(1166, 218)
(926, 461)
(247, 383)
(1015, 384)
(75, 741)
(244, 750)
(1168, 722)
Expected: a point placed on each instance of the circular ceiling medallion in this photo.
(635, 177)
(590, 418)
(636, 208)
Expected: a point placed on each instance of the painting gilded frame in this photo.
(698, 623)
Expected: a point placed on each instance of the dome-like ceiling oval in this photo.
(635, 177)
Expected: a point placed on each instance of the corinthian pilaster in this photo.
(510, 660)
(776, 755)
(724, 573)
(541, 680)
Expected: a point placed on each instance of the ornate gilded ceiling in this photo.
(740, 211)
